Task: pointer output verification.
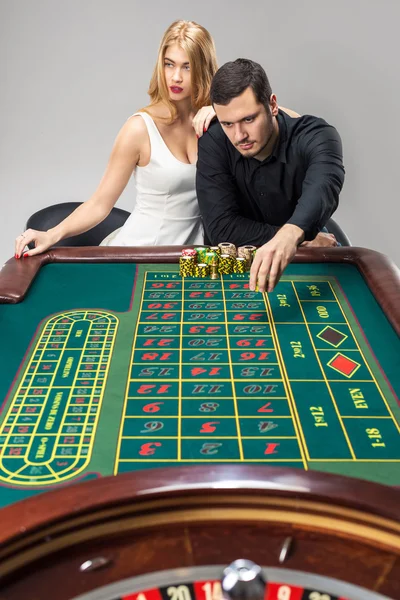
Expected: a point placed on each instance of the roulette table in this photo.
(114, 365)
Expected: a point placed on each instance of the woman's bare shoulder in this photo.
(134, 131)
(135, 124)
(132, 137)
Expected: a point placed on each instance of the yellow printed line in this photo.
(260, 417)
(358, 460)
(302, 323)
(179, 441)
(351, 380)
(238, 364)
(49, 360)
(208, 437)
(325, 377)
(48, 479)
(216, 398)
(66, 456)
(100, 349)
(202, 348)
(235, 403)
(67, 387)
(119, 440)
(163, 362)
(333, 380)
(22, 405)
(217, 381)
(364, 417)
(196, 322)
(292, 405)
(207, 460)
(200, 333)
(52, 470)
(58, 442)
(210, 310)
(337, 348)
(112, 329)
(366, 362)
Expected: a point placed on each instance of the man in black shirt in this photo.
(263, 177)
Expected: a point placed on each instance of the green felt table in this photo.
(111, 363)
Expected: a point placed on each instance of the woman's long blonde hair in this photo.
(199, 46)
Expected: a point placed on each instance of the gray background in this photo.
(72, 71)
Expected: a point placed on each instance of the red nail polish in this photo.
(197, 136)
(17, 256)
(26, 254)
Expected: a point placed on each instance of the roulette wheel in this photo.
(168, 534)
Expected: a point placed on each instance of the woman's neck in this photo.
(184, 110)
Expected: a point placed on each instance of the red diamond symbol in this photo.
(344, 365)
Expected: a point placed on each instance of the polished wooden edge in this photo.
(380, 273)
(208, 482)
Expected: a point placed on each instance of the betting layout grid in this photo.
(48, 432)
(32, 431)
(220, 373)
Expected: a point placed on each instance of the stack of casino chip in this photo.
(202, 270)
(211, 258)
(201, 252)
(187, 266)
(240, 265)
(228, 248)
(200, 261)
(246, 252)
(226, 264)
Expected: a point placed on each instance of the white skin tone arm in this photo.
(124, 157)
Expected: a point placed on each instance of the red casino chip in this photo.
(189, 252)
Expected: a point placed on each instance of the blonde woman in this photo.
(159, 145)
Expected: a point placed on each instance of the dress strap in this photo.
(156, 139)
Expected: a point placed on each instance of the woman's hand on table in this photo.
(42, 240)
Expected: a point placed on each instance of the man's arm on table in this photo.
(217, 196)
(322, 153)
(323, 159)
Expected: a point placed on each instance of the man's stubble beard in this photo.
(270, 133)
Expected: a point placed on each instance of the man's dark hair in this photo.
(233, 78)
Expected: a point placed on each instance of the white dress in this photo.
(166, 211)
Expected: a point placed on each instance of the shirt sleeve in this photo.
(323, 156)
(217, 194)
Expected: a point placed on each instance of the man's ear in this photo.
(273, 103)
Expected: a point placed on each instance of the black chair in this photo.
(338, 232)
(52, 215)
